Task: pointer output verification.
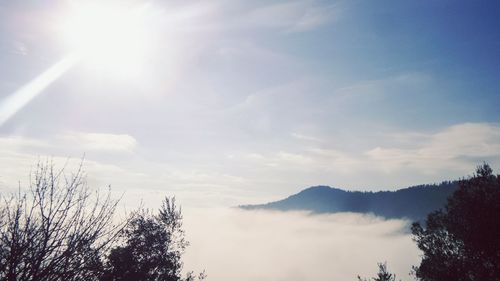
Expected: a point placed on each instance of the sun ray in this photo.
(20, 98)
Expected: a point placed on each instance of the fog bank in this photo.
(232, 244)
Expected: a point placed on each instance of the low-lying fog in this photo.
(234, 244)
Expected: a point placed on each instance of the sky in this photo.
(237, 102)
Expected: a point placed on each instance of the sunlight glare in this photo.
(108, 36)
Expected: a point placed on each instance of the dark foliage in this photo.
(152, 249)
(462, 241)
(382, 275)
(59, 230)
(413, 202)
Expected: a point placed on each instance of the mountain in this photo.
(413, 203)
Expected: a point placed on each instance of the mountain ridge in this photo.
(413, 202)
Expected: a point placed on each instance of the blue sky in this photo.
(240, 102)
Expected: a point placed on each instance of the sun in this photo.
(108, 36)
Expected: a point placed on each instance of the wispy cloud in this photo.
(101, 142)
(19, 48)
(296, 16)
(253, 174)
(116, 160)
(457, 147)
(401, 158)
(306, 137)
(373, 89)
(221, 15)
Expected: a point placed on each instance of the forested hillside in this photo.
(413, 202)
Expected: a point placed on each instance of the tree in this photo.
(152, 248)
(57, 229)
(382, 275)
(462, 241)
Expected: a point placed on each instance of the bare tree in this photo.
(57, 229)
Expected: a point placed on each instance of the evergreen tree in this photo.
(462, 241)
(382, 275)
(152, 248)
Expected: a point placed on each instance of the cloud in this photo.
(11, 143)
(20, 153)
(19, 48)
(17, 154)
(116, 160)
(376, 89)
(314, 17)
(83, 142)
(276, 246)
(295, 16)
(389, 160)
(222, 15)
(306, 137)
(458, 147)
(253, 173)
(101, 142)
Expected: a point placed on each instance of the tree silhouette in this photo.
(152, 249)
(57, 229)
(462, 242)
(382, 275)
